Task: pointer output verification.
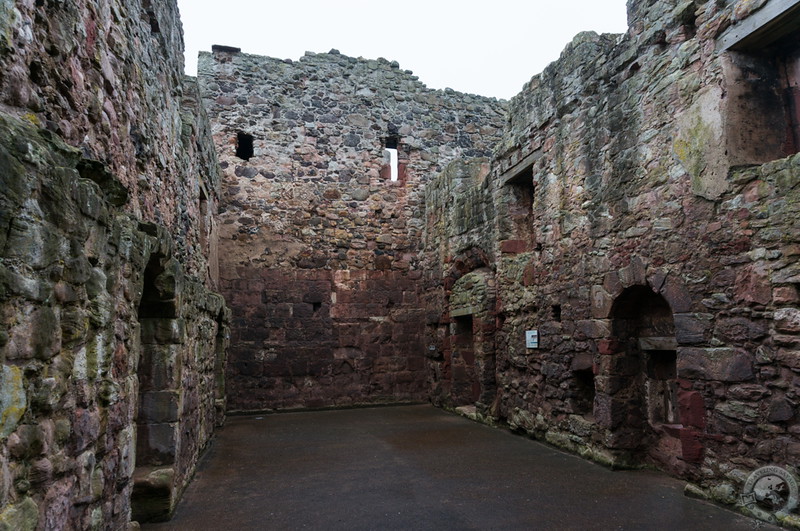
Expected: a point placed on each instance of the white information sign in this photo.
(532, 338)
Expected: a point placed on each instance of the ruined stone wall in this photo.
(319, 248)
(459, 243)
(111, 342)
(642, 231)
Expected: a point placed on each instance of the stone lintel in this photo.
(466, 310)
(658, 343)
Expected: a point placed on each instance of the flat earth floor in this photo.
(418, 467)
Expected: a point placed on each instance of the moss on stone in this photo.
(8, 18)
(789, 521)
(12, 399)
(693, 491)
(691, 148)
(22, 516)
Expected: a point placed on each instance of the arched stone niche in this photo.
(648, 411)
(163, 334)
(471, 356)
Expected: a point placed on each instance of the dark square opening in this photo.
(244, 145)
(391, 142)
(662, 364)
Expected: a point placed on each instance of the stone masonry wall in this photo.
(319, 248)
(647, 226)
(111, 340)
(459, 243)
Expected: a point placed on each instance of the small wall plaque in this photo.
(532, 338)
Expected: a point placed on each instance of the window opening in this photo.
(524, 190)
(766, 59)
(390, 146)
(244, 145)
(518, 181)
(662, 386)
(556, 309)
(393, 163)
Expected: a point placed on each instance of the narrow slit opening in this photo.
(393, 164)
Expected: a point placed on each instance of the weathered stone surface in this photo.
(638, 181)
(23, 515)
(739, 330)
(593, 328)
(691, 445)
(313, 211)
(163, 331)
(601, 302)
(13, 400)
(738, 410)
(723, 364)
(155, 489)
(700, 145)
(692, 328)
(780, 410)
(787, 320)
(650, 188)
(108, 187)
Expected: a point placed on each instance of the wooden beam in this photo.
(776, 19)
(527, 161)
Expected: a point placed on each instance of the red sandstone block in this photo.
(691, 446)
(677, 295)
(753, 286)
(785, 295)
(402, 172)
(673, 430)
(607, 347)
(531, 275)
(691, 408)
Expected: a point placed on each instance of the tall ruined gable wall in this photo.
(658, 245)
(110, 340)
(319, 248)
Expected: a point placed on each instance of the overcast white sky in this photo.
(488, 47)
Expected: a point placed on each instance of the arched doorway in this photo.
(642, 375)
